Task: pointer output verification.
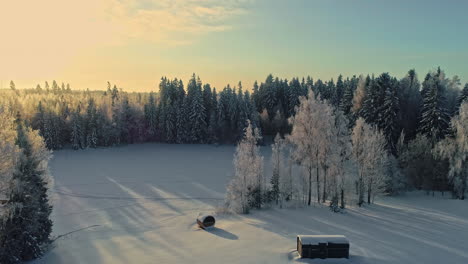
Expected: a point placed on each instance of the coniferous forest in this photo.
(414, 129)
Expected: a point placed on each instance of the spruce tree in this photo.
(347, 99)
(434, 117)
(390, 120)
(410, 100)
(293, 96)
(91, 124)
(182, 123)
(338, 92)
(76, 132)
(151, 117)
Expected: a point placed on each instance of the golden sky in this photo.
(88, 42)
(133, 43)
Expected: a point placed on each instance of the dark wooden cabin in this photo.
(205, 221)
(323, 246)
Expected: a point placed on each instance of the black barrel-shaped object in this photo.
(205, 221)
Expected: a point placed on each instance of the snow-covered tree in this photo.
(390, 121)
(196, 111)
(277, 165)
(91, 124)
(247, 188)
(310, 137)
(9, 151)
(463, 97)
(76, 129)
(359, 96)
(339, 160)
(151, 117)
(25, 225)
(371, 157)
(455, 149)
(410, 103)
(434, 116)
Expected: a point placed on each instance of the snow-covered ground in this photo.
(138, 204)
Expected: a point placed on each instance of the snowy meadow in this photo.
(138, 204)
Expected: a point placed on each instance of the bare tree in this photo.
(371, 157)
(455, 149)
(310, 136)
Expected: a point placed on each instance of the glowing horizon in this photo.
(133, 43)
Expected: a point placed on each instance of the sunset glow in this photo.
(134, 42)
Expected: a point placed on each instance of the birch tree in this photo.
(311, 127)
(371, 157)
(455, 149)
(341, 152)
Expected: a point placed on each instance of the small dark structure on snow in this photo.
(3, 200)
(323, 246)
(205, 221)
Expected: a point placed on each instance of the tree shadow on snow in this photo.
(222, 233)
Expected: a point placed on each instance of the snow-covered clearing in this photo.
(145, 200)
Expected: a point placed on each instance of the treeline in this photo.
(198, 113)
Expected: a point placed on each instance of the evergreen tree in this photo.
(91, 124)
(12, 86)
(347, 100)
(390, 120)
(276, 158)
(151, 117)
(26, 228)
(410, 104)
(337, 93)
(434, 117)
(182, 123)
(76, 132)
(270, 95)
(295, 90)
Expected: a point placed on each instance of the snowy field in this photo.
(138, 204)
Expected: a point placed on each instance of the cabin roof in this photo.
(315, 239)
